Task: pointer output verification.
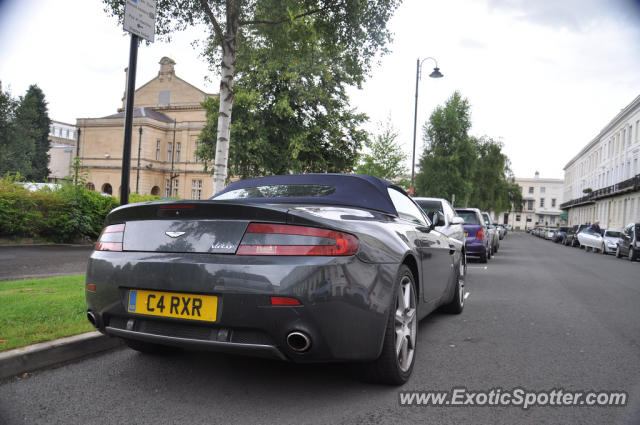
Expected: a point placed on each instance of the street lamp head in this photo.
(436, 73)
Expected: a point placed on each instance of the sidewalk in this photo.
(51, 353)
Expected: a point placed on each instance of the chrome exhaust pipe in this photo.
(92, 319)
(298, 341)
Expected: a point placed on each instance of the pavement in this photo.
(539, 316)
(37, 261)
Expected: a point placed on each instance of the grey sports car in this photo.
(306, 268)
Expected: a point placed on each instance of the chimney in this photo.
(537, 175)
(166, 68)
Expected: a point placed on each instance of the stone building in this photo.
(168, 118)
(62, 151)
(602, 182)
(542, 198)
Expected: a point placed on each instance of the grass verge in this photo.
(38, 310)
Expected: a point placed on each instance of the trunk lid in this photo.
(214, 227)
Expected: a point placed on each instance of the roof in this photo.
(353, 190)
(630, 108)
(144, 112)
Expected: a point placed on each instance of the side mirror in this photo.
(437, 220)
(457, 220)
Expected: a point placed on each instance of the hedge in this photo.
(68, 214)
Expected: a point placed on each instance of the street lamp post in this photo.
(435, 74)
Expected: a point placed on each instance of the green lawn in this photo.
(38, 310)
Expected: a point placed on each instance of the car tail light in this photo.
(284, 301)
(283, 239)
(111, 238)
(480, 234)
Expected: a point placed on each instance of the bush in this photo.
(69, 214)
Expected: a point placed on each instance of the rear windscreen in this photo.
(430, 206)
(469, 217)
(278, 191)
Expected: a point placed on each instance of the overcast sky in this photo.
(543, 76)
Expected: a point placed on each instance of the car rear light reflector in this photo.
(480, 234)
(284, 301)
(91, 287)
(284, 239)
(111, 238)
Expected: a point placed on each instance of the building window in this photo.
(157, 150)
(196, 189)
(90, 186)
(518, 217)
(195, 151)
(167, 188)
(169, 151)
(553, 202)
(178, 148)
(541, 202)
(530, 189)
(530, 204)
(175, 188)
(543, 189)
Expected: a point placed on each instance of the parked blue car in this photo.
(476, 234)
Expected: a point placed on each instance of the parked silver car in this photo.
(611, 239)
(493, 232)
(451, 224)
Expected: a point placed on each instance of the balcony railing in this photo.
(629, 185)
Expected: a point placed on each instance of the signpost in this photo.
(140, 21)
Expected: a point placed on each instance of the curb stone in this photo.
(37, 356)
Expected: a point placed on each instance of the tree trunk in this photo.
(227, 70)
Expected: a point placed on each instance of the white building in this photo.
(62, 150)
(542, 199)
(602, 182)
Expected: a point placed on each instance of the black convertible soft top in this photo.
(353, 190)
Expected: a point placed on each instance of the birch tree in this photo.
(355, 28)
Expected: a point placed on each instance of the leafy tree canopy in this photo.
(475, 170)
(32, 129)
(384, 157)
(292, 59)
(448, 162)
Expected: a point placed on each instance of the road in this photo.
(540, 316)
(35, 261)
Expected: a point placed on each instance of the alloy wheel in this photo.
(405, 324)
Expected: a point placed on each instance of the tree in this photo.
(385, 157)
(355, 30)
(15, 154)
(494, 188)
(448, 163)
(32, 132)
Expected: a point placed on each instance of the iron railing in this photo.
(629, 185)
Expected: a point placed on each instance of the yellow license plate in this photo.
(173, 304)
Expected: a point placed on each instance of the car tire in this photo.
(490, 253)
(393, 367)
(618, 253)
(148, 347)
(632, 254)
(483, 258)
(497, 247)
(603, 250)
(456, 305)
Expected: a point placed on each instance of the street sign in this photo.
(140, 18)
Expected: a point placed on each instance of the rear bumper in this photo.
(475, 247)
(345, 302)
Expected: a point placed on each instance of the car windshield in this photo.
(469, 217)
(487, 221)
(429, 206)
(612, 233)
(278, 191)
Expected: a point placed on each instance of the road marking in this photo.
(466, 295)
(477, 267)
